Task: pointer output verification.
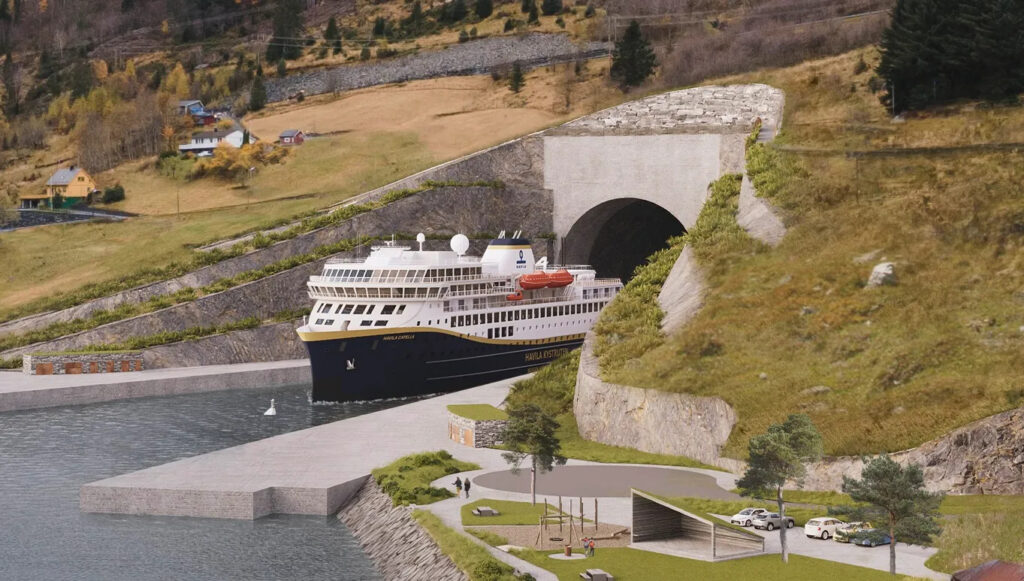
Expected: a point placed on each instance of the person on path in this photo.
(592, 547)
(458, 486)
(467, 487)
(586, 545)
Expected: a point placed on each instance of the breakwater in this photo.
(398, 545)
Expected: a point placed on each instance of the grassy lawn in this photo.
(902, 364)
(512, 513)
(635, 565)
(468, 556)
(407, 480)
(972, 539)
(478, 412)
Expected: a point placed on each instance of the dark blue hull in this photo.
(413, 362)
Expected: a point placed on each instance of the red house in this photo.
(292, 137)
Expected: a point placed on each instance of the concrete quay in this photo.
(19, 391)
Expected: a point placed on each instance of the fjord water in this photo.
(47, 455)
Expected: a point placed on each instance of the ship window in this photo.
(360, 309)
(329, 322)
(380, 324)
(338, 309)
(510, 330)
(387, 310)
(476, 319)
(319, 322)
(490, 333)
(490, 318)
(516, 315)
(401, 309)
(369, 310)
(347, 310)
(365, 323)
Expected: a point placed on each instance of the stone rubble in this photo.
(400, 548)
(471, 58)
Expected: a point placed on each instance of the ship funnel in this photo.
(508, 256)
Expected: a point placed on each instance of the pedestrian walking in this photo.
(467, 487)
(592, 547)
(458, 486)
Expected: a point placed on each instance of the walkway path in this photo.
(19, 391)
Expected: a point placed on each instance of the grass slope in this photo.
(511, 513)
(407, 480)
(471, 558)
(904, 363)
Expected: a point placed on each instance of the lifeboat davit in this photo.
(560, 278)
(516, 296)
(534, 281)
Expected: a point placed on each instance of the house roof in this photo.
(211, 134)
(63, 176)
(992, 571)
(290, 132)
(189, 102)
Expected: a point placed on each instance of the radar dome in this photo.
(460, 244)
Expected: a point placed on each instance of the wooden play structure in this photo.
(575, 523)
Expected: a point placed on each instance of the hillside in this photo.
(795, 329)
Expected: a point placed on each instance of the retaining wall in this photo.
(274, 342)
(399, 547)
(75, 364)
(475, 433)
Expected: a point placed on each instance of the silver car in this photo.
(771, 521)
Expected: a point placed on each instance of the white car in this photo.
(745, 517)
(822, 528)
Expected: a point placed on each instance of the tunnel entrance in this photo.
(617, 236)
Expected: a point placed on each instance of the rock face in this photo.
(884, 273)
(984, 457)
(276, 342)
(472, 58)
(399, 547)
(649, 420)
(682, 295)
(757, 216)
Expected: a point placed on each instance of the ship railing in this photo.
(448, 308)
(407, 280)
(480, 293)
(598, 282)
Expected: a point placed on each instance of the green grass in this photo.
(488, 537)
(468, 556)
(512, 513)
(478, 412)
(904, 364)
(552, 389)
(407, 480)
(981, 504)
(972, 539)
(635, 565)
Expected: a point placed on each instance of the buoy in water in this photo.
(272, 411)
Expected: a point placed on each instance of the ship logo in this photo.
(350, 364)
(521, 259)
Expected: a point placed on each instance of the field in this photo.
(897, 365)
(419, 125)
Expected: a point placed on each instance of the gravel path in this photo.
(470, 58)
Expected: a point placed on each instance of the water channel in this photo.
(46, 455)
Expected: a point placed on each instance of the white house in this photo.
(204, 142)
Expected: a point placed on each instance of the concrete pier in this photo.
(19, 391)
(312, 471)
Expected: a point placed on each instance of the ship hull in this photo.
(406, 363)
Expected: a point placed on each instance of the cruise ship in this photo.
(406, 322)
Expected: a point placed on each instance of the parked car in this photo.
(771, 521)
(871, 538)
(745, 517)
(822, 528)
(843, 533)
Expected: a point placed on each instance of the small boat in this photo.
(560, 278)
(534, 281)
(516, 296)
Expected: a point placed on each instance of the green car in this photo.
(844, 533)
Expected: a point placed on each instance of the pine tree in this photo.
(525, 6)
(516, 81)
(332, 35)
(484, 8)
(258, 95)
(633, 59)
(287, 30)
(282, 68)
(551, 7)
(534, 16)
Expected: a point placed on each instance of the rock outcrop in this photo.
(649, 420)
(275, 342)
(682, 295)
(399, 547)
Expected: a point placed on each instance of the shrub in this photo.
(364, 55)
(114, 194)
(590, 11)
(463, 35)
(551, 7)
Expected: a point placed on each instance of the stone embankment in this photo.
(758, 217)
(399, 547)
(274, 342)
(649, 420)
(471, 58)
(682, 295)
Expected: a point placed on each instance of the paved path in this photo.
(20, 391)
(604, 480)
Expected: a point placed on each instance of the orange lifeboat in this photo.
(560, 278)
(534, 281)
(516, 296)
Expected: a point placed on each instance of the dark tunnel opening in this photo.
(617, 236)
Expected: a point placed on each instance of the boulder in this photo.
(884, 273)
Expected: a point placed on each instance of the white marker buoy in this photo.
(272, 411)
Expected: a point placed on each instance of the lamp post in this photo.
(251, 170)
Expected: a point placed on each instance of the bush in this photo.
(364, 55)
(463, 35)
(114, 194)
(590, 11)
(551, 7)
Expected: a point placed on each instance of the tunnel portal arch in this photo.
(618, 235)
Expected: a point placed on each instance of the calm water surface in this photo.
(46, 455)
